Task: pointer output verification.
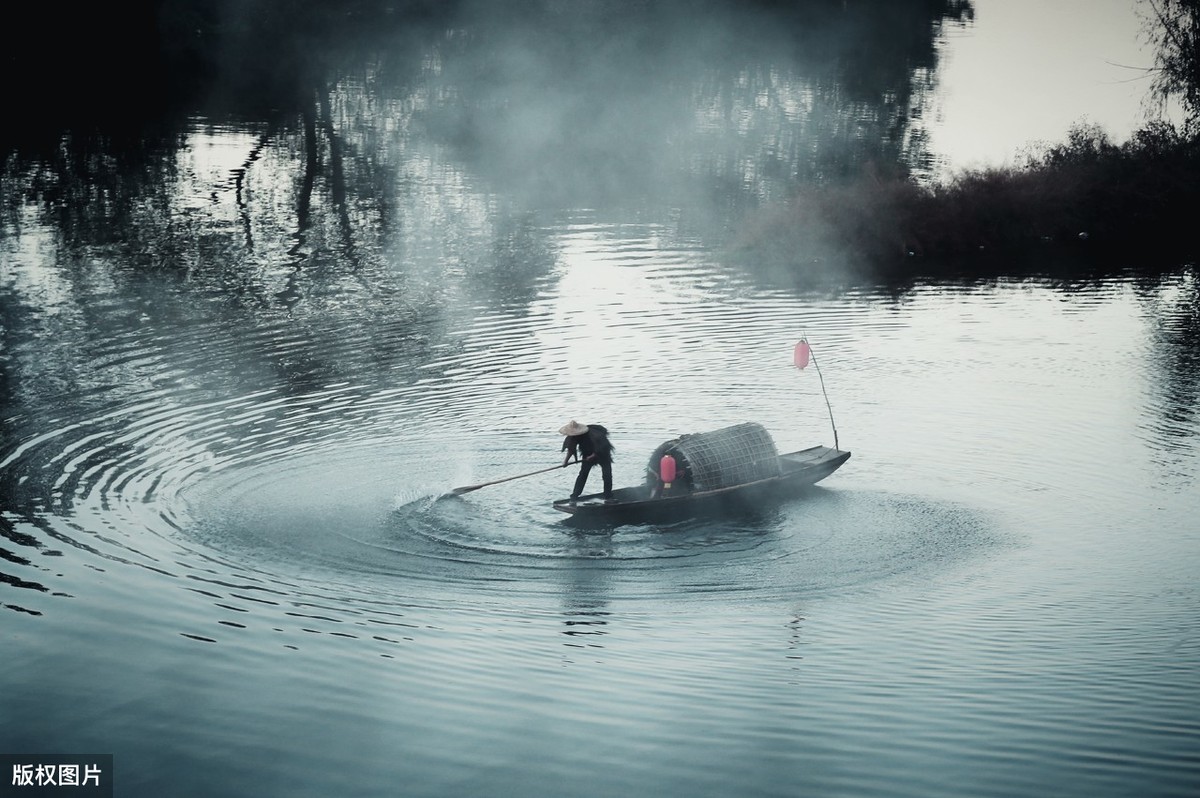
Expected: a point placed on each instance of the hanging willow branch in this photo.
(1173, 27)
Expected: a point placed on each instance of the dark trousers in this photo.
(585, 467)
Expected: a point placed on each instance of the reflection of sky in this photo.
(1026, 70)
(209, 161)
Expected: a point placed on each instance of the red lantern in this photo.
(666, 470)
(802, 354)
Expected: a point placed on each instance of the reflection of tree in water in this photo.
(598, 98)
(391, 163)
(860, 80)
(1173, 27)
(372, 140)
(617, 101)
(1174, 305)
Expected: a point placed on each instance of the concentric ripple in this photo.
(314, 450)
(316, 497)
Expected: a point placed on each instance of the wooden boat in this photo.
(728, 469)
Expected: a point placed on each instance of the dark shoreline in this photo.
(1086, 201)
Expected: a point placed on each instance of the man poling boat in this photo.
(732, 467)
(589, 445)
(737, 465)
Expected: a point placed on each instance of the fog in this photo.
(277, 274)
(343, 166)
(419, 134)
(601, 102)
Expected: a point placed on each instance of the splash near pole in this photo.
(800, 358)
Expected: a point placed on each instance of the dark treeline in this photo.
(1084, 204)
(102, 98)
(139, 64)
(1087, 199)
(597, 102)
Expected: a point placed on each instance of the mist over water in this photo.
(247, 354)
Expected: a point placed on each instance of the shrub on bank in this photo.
(1135, 199)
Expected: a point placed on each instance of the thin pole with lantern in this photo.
(800, 358)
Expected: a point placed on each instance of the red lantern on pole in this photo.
(800, 357)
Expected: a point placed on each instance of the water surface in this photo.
(238, 385)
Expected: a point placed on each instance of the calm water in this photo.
(237, 386)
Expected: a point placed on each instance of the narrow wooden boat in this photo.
(649, 502)
(705, 472)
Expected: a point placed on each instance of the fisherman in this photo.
(589, 445)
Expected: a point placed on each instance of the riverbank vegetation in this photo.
(1130, 204)
(1087, 195)
(595, 107)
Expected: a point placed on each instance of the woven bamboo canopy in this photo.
(722, 458)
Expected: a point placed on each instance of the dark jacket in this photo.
(595, 442)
